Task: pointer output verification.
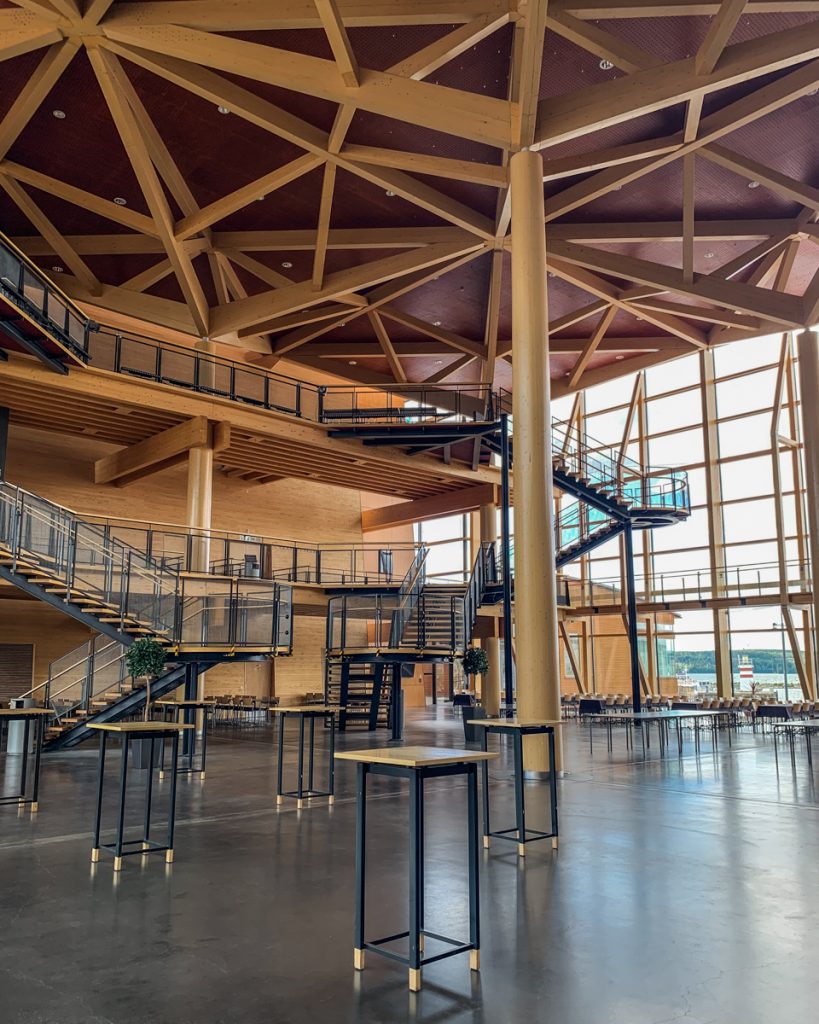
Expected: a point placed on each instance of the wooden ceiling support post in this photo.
(200, 504)
(807, 348)
(536, 635)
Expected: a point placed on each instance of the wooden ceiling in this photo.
(325, 181)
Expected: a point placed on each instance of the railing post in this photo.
(344, 623)
(125, 590)
(298, 399)
(318, 565)
(321, 393)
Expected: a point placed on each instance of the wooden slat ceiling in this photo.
(263, 447)
(361, 165)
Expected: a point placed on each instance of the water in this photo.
(770, 682)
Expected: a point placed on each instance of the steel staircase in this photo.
(363, 689)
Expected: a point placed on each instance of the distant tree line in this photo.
(765, 662)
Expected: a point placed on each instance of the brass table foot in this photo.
(169, 856)
(474, 959)
(358, 959)
(414, 980)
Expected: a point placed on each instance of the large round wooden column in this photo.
(536, 638)
(808, 362)
(200, 480)
(491, 683)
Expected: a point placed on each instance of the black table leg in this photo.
(24, 763)
(485, 795)
(39, 732)
(311, 753)
(553, 786)
(415, 882)
(205, 713)
(123, 782)
(300, 788)
(360, 864)
(149, 788)
(331, 768)
(172, 804)
(474, 868)
(520, 807)
(279, 792)
(95, 849)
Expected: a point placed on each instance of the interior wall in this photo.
(61, 469)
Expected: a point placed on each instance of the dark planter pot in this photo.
(141, 753)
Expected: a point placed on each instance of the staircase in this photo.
(363, 688)
(437, 618)
(52, 555)
(91, 683)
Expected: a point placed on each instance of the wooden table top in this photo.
(8, 712)
(414, 757)
(513, 723)
(302, 708)
(187, 703)
(140, 726)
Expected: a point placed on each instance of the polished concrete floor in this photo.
(683, 890)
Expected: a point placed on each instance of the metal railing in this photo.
(258, 557)
(86, 561)
(758, 581)
(202, 372)
(75, 679)
(37, 297)
(407, 404)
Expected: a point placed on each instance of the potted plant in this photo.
(145, 659)
(475, 662)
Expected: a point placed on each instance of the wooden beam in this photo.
(492, 321)
(160, 451)
(147, 278)
(688, 218)
(753, 170)
(449, 338)
(38, 219)
(532, 31)
(479, 118)
(782, 308)
(246, 195)
(427, 61)
(262, 15)
(386, 344)
(258, 309)
(109, 72)
(566, 117)
(591, 346)
(323, 226)
(32, 34)
(423, 163)
(339, 42)
(37, 87)
(601, 43)
(719, 32)
(467, 499)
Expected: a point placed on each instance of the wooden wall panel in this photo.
(16, 670)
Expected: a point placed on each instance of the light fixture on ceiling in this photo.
(619, 358)
(353, 362)
(389, 193)
(260, 199)
(287, 264)
(436, 323)
(753, 184)
(708, 255)
(59, 114)
(223, 110)
(438, 362)
(57, 270)
(120, 201)
(606, 65)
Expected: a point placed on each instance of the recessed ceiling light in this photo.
(390, 193)
(436, 323)
(708, 255)
(260, 199)
(120, 201)
(438, 362)
(606, 65)
(353, 362)
(57, 270)
(618, 358)
(59, 114)
(753, 184)
(287, 264)
(223, 110)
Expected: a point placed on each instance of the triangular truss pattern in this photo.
(328, 183)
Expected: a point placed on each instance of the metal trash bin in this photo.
(469, 713)
(17, 730)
